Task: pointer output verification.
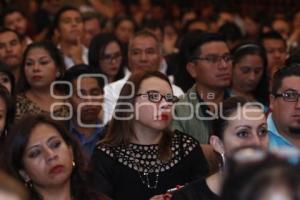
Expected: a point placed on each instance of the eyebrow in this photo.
(243, 126)
(49, 140)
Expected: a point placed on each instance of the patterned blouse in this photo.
(25, 106)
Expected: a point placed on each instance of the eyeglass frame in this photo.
(174, 98)
(284, 95)
(213, 59)
(108, 58)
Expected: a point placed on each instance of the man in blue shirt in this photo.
(284, 121)
(86, 100)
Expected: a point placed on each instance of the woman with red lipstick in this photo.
(140, 157)
(48, 160)
(42, 65)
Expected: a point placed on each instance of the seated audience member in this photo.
(11, 189)
(144, 54)
(15, 19)
(249, 77)
(48, 160)
(231, 131)
(276, 49)
(284, 120)
(68, 27)
(210, 64)
(282, 26)
(106, 55)
(42, 65)
(232, 33)
(86, 100)
(266, 177)
(92, 26)
(7, 114)
(7, 78)
(140, 157)
(11, 50)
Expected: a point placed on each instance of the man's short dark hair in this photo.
(271, 35)
(286, 71)
(4, 30)
(195, 49)
(82, 69)
(93, 15)
(9, 10)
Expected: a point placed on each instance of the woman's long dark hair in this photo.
(15, 147)
(96, 52)
(53, 52)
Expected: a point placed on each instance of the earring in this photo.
(28, 183)
(73, 163)
(222, 165)
(57, 75)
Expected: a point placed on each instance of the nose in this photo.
(224, 64)
(143, 56)
(50, 154)
(252, 76)
(8, 48)
(256, 141)
(298, 102)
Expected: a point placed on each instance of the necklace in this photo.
(148, 171)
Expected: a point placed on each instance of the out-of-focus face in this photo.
(5, 81)
(87, 106)
(276, 54)
(210, 72)
(125, 31)
(110, 62)
(40, 69)
(286, 114)
(198, 26)
(247, 73)
(248, 128)
(16, 21)
(8, 196)
(282, 27)
(150, 115)
(3, 112)
(144, 54)
(70, 27)
(11, 49)
(91, 28)
(47, 158)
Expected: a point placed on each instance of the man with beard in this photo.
(86, 101)
(11, 50)
(284, 121)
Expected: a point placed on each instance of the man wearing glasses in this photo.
(211, 66)
(284, 121)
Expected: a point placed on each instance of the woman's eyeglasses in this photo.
(155, 97)
(109, 58)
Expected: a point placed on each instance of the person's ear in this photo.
(272, 99)
(217, 144)
(191, 68)
(24, 175)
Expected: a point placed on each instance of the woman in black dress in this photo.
(140, 157)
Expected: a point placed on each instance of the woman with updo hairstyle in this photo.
(249, 77)
(140, 157)
(240, 123)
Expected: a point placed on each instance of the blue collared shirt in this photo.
(276, 140)
(88, 144)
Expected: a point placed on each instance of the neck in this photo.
(40, 92)
(86, 131)
(62, 192)
(145, 135)
(210, 95)
(215, 182)
(239, 92)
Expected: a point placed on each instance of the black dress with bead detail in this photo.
(134, 171)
